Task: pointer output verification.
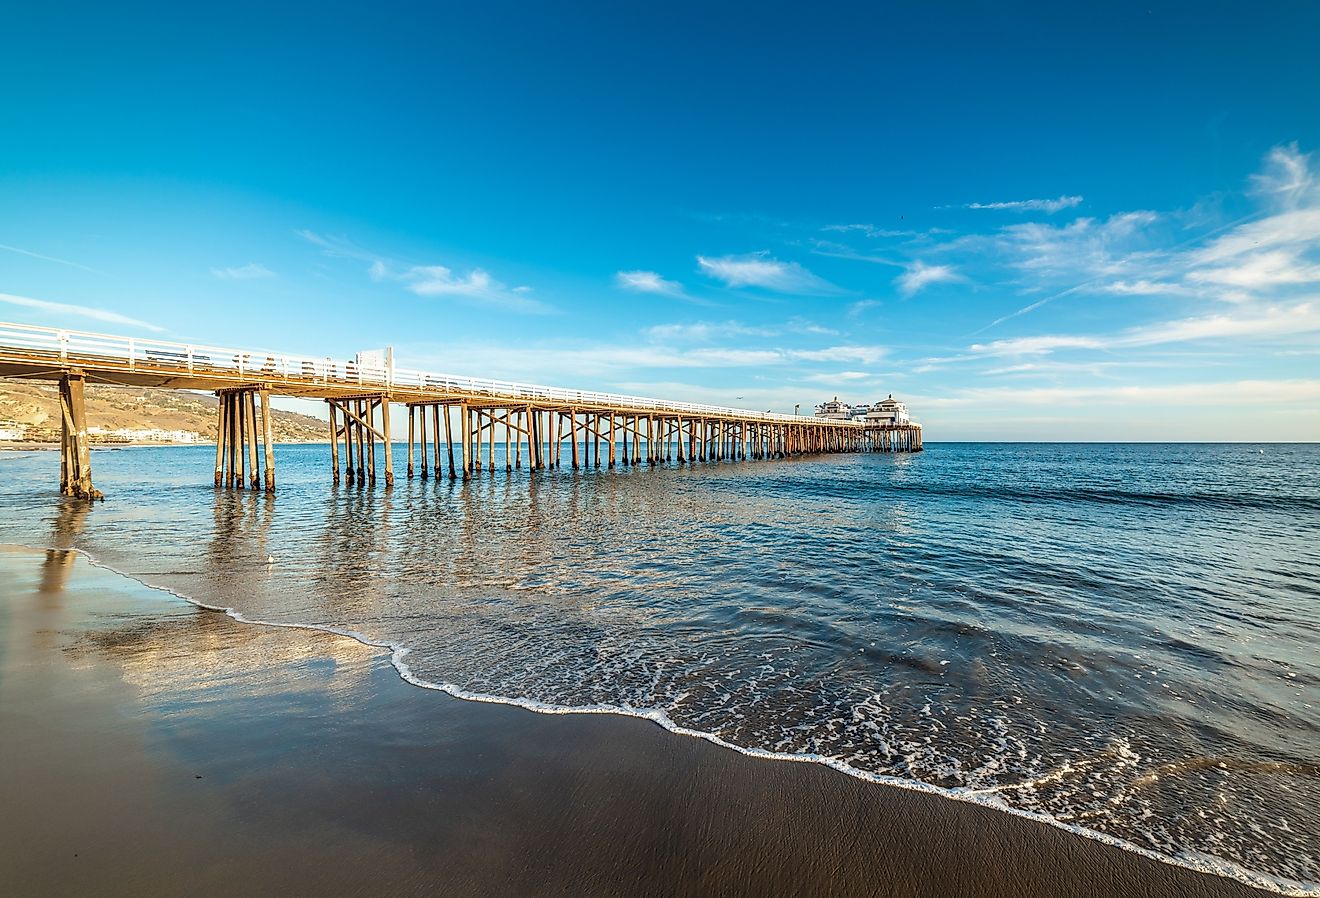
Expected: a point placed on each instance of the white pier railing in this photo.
(20, 342)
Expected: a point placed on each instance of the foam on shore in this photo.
(397, 653)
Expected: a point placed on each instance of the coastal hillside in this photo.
(138, 414)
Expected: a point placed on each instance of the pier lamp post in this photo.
(796, 406)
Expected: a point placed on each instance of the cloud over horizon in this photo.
(647, 282)
(249, 272)
(920, 275)
(64, 308)
(1048, 206)
(762, 270)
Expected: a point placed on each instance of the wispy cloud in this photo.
(1264, 256)
(476, 286)
(250, 272)
(338, 246)
(838, 377)
(647, 282)
(1241, 393)
(27, 252)
(705, 331)
(1087, 247)
(1290, 321)
(1259, 271)
(920, 275)
(1294, 228)
(63, 309)
(702, 331)
(1287, 178)
(1048, 206)
(764, 271)
(866, 355)
(552, 363)
(872, 231)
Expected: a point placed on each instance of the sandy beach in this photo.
(151, 747)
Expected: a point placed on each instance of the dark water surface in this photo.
(1122, 638)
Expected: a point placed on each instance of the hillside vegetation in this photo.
(37, 405)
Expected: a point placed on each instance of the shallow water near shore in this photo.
(1121, 638)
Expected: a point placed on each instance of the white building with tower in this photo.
(888, 412)
(834, 410)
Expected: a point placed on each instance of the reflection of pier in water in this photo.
(554, 427)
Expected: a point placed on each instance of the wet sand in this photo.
(148, 747)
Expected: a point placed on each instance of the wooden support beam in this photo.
(557, 418)
(369, 413)
(228, 479)
(533, 437)
(350, 460)
(572, 435)
(465, 419)
(490, 444)
(254, 476)
(268, 439)
(363, 435)
(220, 439)
(387, 442)
(449, 445)
(517, 446)
(598, 437)
(334, 442)
(434, 441)
(425, 449)
(75, 445)
(236, 442)
(528, 426)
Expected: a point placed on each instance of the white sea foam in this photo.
(985, 797)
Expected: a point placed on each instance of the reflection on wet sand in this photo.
(70, 519)
(189, 655)
(164, 645)
(257, 760)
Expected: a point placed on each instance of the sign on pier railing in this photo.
(136, 353)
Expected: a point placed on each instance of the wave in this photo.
(1042, 492)
(397, 653)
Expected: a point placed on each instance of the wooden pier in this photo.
(555, 427)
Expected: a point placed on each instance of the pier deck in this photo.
(634, 430)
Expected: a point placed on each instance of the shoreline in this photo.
(1045, 852)
(54, 447)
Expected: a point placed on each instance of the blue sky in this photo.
(1029, 221)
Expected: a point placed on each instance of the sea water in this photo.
(1120, 639)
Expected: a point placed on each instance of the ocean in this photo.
(1119, 639)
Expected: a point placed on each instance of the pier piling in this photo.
(75, 446)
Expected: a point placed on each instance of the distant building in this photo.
(143, 435)
(12, 431)
(888, 412)
(834, 410)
